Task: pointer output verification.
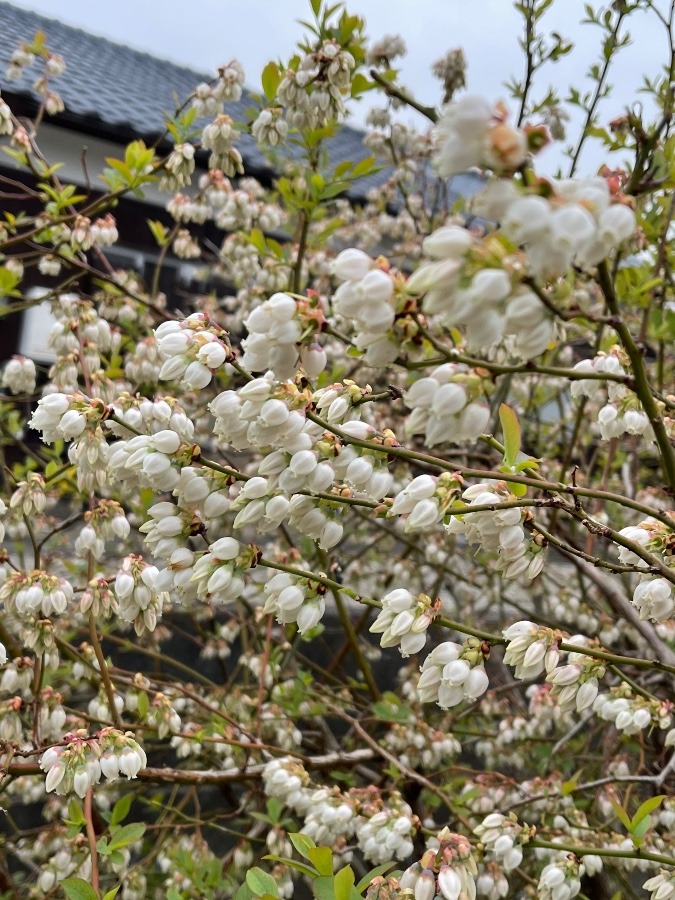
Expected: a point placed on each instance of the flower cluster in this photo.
(425, 500)
(275, 329)
(218, 573)
(654, 597)
(80, 761)
(448, 871)
(471, 133)
(36, 593)
(191, 350)
(293, 599)
(404, 620)
(447, 406)
(499, 531)
(368, 297)
(453, 673)
(531, 649)
(140, 600)
(64, 417)
(19, 375)
(385, 833)
(503, 837)
(632, 714)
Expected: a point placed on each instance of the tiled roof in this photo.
(120, 93)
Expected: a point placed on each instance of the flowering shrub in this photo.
(356, 575)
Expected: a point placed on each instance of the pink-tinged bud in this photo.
(360, 431)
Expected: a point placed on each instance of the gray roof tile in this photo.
(120, 92)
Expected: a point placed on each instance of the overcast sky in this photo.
(205, 33)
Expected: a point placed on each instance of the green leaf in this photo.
(75, 813)
(159, 231)
(143, 704)
(361, 84)
(342, 168)
(322, 858)
(621, 814)
(569, 785)
(332, 190)
(260, 882)
(302, 844)
(244, 893)
(511, 432)
(324, 888)
(364, 167)
(127, 834)
(316, 7)
(111, 893)
(368, 877)
(271, 76)
(391, 709)
(121, 809)
(641, 829)
(293, 864)
(344, 882)
(647, 807)
(257, 238)
(78, 889)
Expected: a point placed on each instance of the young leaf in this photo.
(621, 815)
(293, 864)
(322, 858)
(302, 844)
(324, 888)
(344, 881)
(647, 807)
(271, 76)
(511, 432)
(121, 809)
(78, 889)
(127, 834)
(368, 877)
(75, 813)
(261, 882)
